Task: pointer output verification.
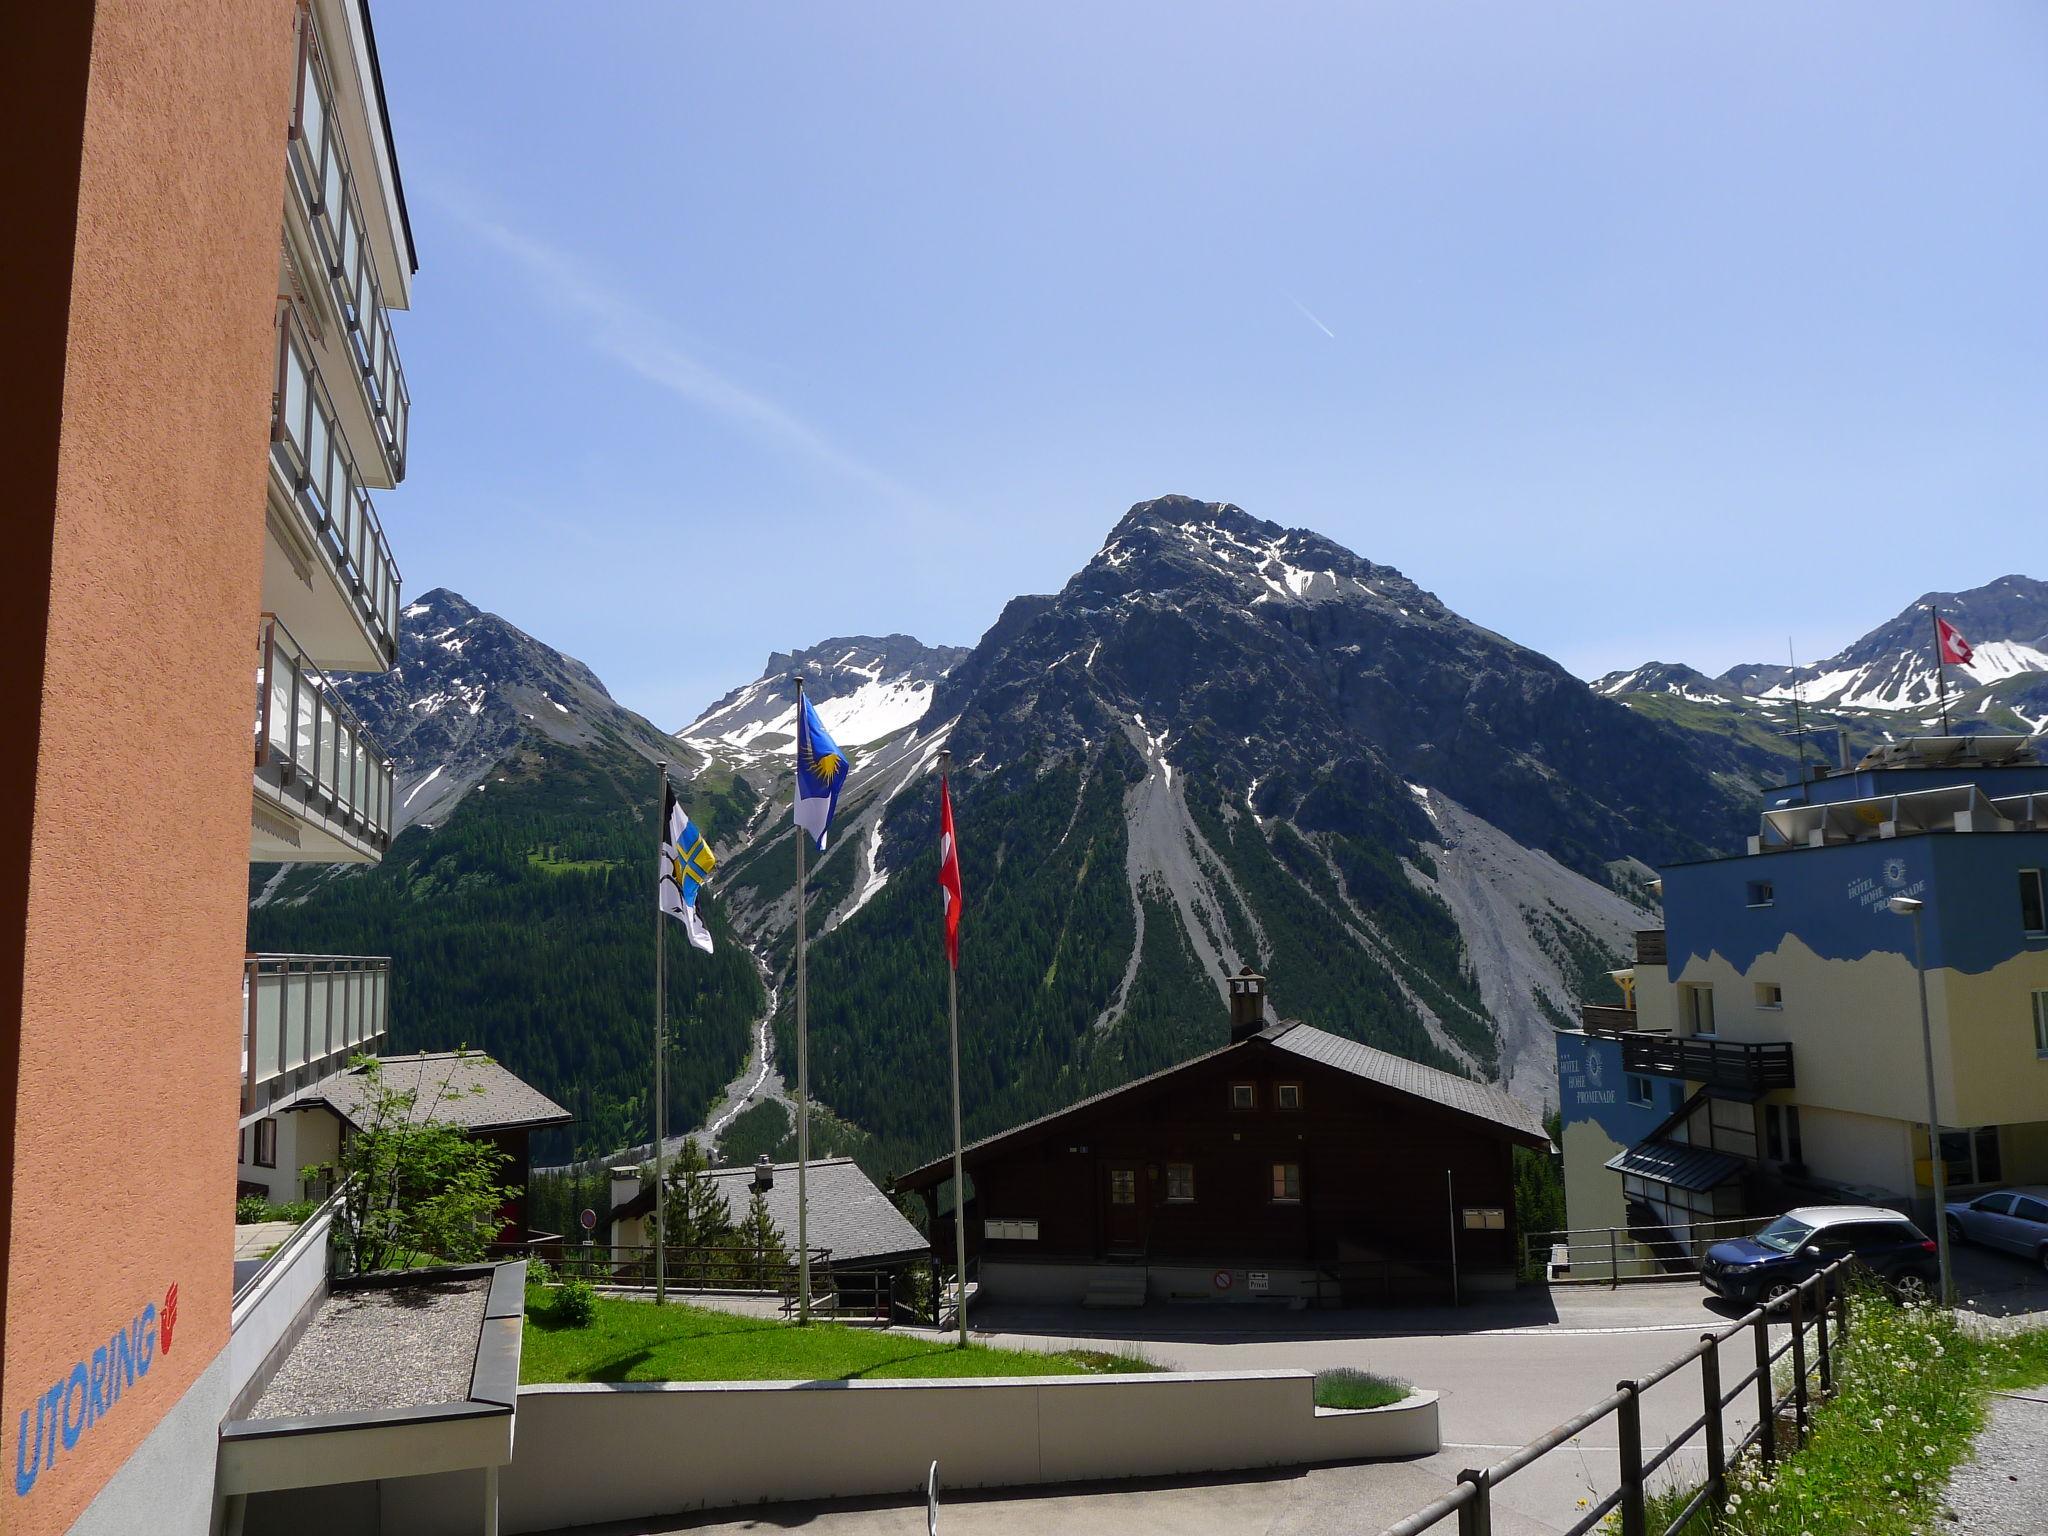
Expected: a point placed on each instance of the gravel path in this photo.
(2002, 1490)
(399, 1346)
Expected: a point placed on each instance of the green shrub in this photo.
(575, 1304)
(1909, 1394)
(295, 1210)
(1346, 1388)
(539, 1272)
(249, 1208)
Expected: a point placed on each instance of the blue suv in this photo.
(1800, 1243)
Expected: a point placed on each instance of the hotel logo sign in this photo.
(78, 1400)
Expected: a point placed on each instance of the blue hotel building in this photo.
(1769, 1051)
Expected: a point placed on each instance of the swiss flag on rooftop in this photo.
(1955, 650)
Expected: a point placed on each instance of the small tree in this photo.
(762, 1257)
(417, 1188)
(696, 1213)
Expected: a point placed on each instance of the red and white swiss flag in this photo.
(949, 873)
(1955, 650)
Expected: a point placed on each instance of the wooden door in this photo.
(1123, 1204)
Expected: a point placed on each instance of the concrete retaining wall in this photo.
(585, 1454)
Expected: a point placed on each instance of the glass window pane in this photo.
(2033, 908)
(1989, 1167)
(295, 396)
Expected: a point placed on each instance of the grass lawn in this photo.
(1346, 1388)
(637, 1341)
(1909, 1400)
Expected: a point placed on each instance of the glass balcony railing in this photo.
(312, 751)
(320, 174)
(304, 1016)
(308, 449)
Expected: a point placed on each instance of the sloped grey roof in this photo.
(460, 1088)
(1382, 1067)
(1481, 1100)
(1678, 1164)
(848, 1214)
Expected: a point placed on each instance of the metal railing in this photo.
(304, 1016)
(311, 749)
(702, 1267)
(1753, 1066)
(312, 456)
(1615, 1254)
(327, 190)
(1807, 1312)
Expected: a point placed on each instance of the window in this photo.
(1485, 1218)
(1123, 1186)
(1968, 1156)
(1994, 1205)
(1774, 1133)
(1699, 1009)
(1287, 1095)
(1641, 1092)
(266, 1144)
(1794, 1152)
(1769, 995)
(1287, 1183)
(1760, 893)
(1180, 1183)
(1244, 1096)
(2033, 904)
(2031, 1210)
(2041, 1023)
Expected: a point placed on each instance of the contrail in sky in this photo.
(1309, 315)
(636, 338)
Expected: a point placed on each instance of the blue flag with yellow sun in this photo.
(820, 772)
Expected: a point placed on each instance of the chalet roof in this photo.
(1413, 1078)
(460, 1088)
(848, 1214)
(1446, 1089)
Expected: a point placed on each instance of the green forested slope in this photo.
(524, 926)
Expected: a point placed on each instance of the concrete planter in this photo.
(587, 1454)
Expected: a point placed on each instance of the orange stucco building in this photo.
(168, 522)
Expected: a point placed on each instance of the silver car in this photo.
(2013, 1219)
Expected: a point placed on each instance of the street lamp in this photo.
(1910, 906)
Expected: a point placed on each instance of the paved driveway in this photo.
(1508, 1368)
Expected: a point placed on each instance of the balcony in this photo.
(1650, 947)
(347, 611)
(1733, 1066)
(323, 788)
(1603, 1019)
(329, 201)
(304, 1016)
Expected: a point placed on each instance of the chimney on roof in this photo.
(764, 1172)
(1247, 1004)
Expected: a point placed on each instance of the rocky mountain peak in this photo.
(865, 687)
(467, 689)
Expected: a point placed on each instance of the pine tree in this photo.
(763, 1257)
(697, 1216)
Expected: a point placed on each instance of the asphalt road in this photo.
(1507, 1369)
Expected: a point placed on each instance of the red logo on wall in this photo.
(166, 1321)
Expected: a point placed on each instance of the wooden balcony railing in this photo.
(1738, 1064)
(1605, 1019)
(1650, 948)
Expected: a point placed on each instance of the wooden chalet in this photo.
(1290, 1165)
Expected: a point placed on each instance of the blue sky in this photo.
(1631, 330)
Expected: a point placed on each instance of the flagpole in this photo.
(660, 1060)
(959, 1180)
(1940, 671)
(803, 1077)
